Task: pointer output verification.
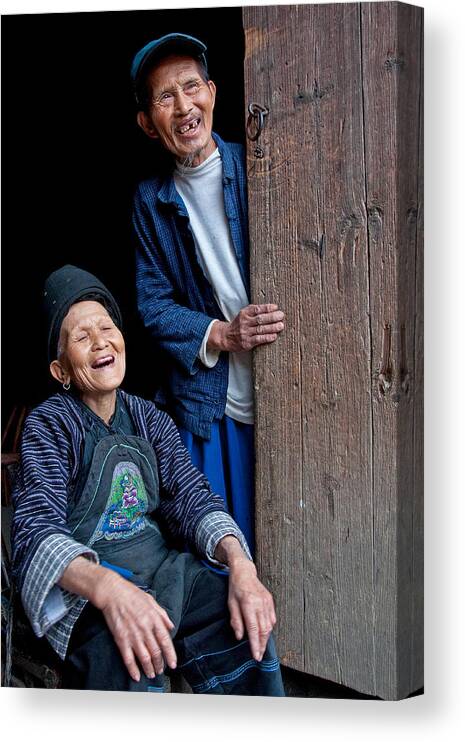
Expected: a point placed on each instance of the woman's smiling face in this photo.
(92, 352)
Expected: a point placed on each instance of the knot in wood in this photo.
(394, 63)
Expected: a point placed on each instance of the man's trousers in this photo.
(228, 461)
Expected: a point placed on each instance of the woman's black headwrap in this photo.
(65, 287)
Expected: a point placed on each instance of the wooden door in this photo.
(335, 219)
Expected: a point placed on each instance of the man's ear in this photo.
(146, 125)
(59, 373)
(212, 87)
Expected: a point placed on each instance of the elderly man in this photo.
(192, 270)
(104, 486)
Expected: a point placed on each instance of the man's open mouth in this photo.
(191, 126)
(103, 362)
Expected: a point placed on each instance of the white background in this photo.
(66, 715)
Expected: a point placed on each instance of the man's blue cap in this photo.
(172, 43)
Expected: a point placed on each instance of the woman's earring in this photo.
(67, 386)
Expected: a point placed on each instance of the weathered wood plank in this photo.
(391, 54)
(417, 627)
(335, 343)
(274, 256)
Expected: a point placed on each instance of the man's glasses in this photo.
(190, 89)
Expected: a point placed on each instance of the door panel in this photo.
(334, 243)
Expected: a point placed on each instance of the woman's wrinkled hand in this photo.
(139, 625)
(251, 607)
(250, 604)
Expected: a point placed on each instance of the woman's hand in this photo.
(140, 627)
(251, 605)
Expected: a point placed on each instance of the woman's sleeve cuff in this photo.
(214, 527)
(42, 598)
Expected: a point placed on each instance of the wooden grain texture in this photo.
(335, 232)
(275, 255)
(391, 58)
(417, 625)
(335, 343)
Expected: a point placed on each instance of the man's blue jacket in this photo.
(175, 300)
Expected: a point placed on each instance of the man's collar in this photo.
(226, 157)
(168, 193)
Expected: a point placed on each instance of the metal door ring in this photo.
(257, 113)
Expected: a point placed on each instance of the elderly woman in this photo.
(104, 488)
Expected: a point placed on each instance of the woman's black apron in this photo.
(112, 509)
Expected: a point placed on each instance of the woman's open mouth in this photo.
(103, 362)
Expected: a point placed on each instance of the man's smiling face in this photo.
(180, 109)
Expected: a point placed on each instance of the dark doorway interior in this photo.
(72, 156)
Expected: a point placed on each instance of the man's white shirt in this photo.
(201, 189)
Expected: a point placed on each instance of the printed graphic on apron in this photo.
(124, 514)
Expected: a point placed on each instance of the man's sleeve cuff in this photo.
(211, 529)
(209, 358)
(42, 598)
